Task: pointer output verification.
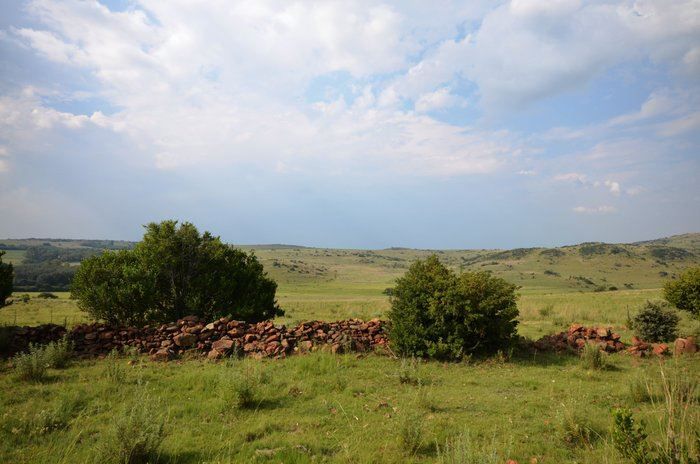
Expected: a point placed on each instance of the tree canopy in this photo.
(173, 272)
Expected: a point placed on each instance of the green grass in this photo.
(327, 408)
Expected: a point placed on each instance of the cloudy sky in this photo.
(352, 124)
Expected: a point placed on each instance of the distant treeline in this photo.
(44, 277)
(47, 268)
(45, 254)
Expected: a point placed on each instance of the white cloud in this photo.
(572, 177)
(613, 187)
(441, 98)
(603, 209)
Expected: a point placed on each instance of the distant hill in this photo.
(48, 264)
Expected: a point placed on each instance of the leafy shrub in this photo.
(6, 278)
(24, 298)
(174, 272)
(592, 357)
(31, 366)
(684, 293)
(136, 434)
(630, 439)
(656, 322)
(438, 314)
(47, 296)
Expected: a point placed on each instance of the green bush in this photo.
(5, 340)
(241, 390)
(47, 296)
(439, 314)
(175, 272)
(684, 293)
(656, 322)
(6, 278)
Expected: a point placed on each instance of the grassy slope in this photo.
(343, 409)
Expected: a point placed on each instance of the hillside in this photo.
(584, 267)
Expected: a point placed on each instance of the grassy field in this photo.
(327, 408)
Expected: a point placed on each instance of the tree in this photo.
(114, 287)
(6, 276)
(684, 293)
(436, 313)
(173, 272)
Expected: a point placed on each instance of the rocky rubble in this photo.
(217, 339)
(578, 336)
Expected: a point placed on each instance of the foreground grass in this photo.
(326, 408)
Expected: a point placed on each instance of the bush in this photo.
(656, 322)
(436, 313)
(6, 277)
(175, 272)
(47, 296)
(31, 366)
(5, 339)
(684, 293)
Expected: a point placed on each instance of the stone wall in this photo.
(217, 339)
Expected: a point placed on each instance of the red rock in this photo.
(575, 328)
(163, 354)
(602, 332)
(685, 346)
(660, 349)
(222, 346)
(185, 340)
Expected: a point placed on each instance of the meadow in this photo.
(534, 408)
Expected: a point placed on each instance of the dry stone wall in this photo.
(217, 339)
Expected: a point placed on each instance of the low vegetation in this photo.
(436, 313)
(656, 322)
(175, 272)
(684, 293)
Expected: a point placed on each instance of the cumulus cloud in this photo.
(603, 209)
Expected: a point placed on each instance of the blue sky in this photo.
(352, 124)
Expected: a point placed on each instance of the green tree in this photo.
(6, 276)
(684, 292)
(114, 287)
(173, 272)
(436, 313)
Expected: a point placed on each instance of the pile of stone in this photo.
(579, 336)
(21, 337)
(217, 339)
(681, 346)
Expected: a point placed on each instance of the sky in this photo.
(353, 124)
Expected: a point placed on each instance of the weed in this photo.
(31, 366)
(114, 371)
(58, 354)
(592, 357)
(546, 311)
(240, 390)
(462, 449)
(408, 372)
(575, 429)
(136, 434)
(411, 433)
